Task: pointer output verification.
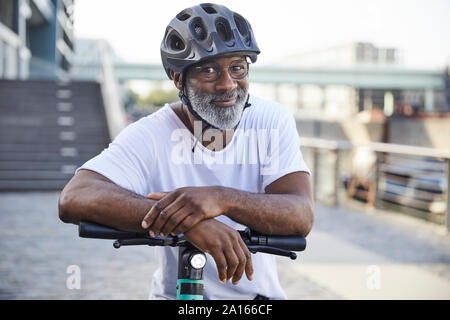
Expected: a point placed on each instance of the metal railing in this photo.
(115, 112)
(415, 178)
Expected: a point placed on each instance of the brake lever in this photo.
(272, 250)
(137, 242)
(157, 241)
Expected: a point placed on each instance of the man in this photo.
(215, 162)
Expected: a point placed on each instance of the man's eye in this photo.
(208, 70)
(237, 68)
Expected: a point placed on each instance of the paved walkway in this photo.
(350, 255)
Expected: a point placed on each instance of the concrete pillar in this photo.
(336, 182)
(277, 92)
(315, 172)
(368, 103)
(388, 108)
(429, 100)
(323, 103)
(24, 13)
(299, 97)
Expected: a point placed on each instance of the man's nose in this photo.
(225, 82)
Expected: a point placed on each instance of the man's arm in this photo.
(285, 209)
(91, 196)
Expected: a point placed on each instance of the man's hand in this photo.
(180, 210)
(226, 246)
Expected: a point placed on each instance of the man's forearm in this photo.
(105, 203)
(283, 214)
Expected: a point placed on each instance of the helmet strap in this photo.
(185, 100)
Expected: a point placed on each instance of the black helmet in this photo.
(205, 31)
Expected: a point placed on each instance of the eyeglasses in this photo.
(210, 71)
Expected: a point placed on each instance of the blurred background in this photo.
(368, 83)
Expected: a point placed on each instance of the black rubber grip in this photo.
(288, 243)
(93, 230)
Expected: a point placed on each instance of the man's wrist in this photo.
(230, 200)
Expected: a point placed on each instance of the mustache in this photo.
(235, 93)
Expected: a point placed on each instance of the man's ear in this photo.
(177, 79)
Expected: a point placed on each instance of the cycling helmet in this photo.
(205, 31)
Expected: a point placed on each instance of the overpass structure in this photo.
(360, 77)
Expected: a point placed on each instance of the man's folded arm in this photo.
(93, 197)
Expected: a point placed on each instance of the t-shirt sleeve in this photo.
(128, 159)
(283, 155)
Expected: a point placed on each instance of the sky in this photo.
(420, 29)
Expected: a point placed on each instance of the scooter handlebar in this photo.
(87, 229)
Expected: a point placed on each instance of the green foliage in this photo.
(159, 97)
(134, 102)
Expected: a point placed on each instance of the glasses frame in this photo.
(219, 70)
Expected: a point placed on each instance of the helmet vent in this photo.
(175, 43)
(208, 7)
(182, 16)
(198, 29)
(224, 30)
(241, 24)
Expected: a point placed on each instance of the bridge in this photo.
(360, 77)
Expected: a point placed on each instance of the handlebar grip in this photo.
(288, 243)
(88, 229)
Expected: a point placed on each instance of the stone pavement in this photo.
(350, 255)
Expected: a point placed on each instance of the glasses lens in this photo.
(212, 72)
(238, 70)
(207, 72)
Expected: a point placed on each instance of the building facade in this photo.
(36, 38)
(346, 55)
(337, 101)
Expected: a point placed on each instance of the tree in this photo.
(160, 97)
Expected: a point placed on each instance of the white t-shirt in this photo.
(154, 154)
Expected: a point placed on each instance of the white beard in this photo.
(220, 117)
